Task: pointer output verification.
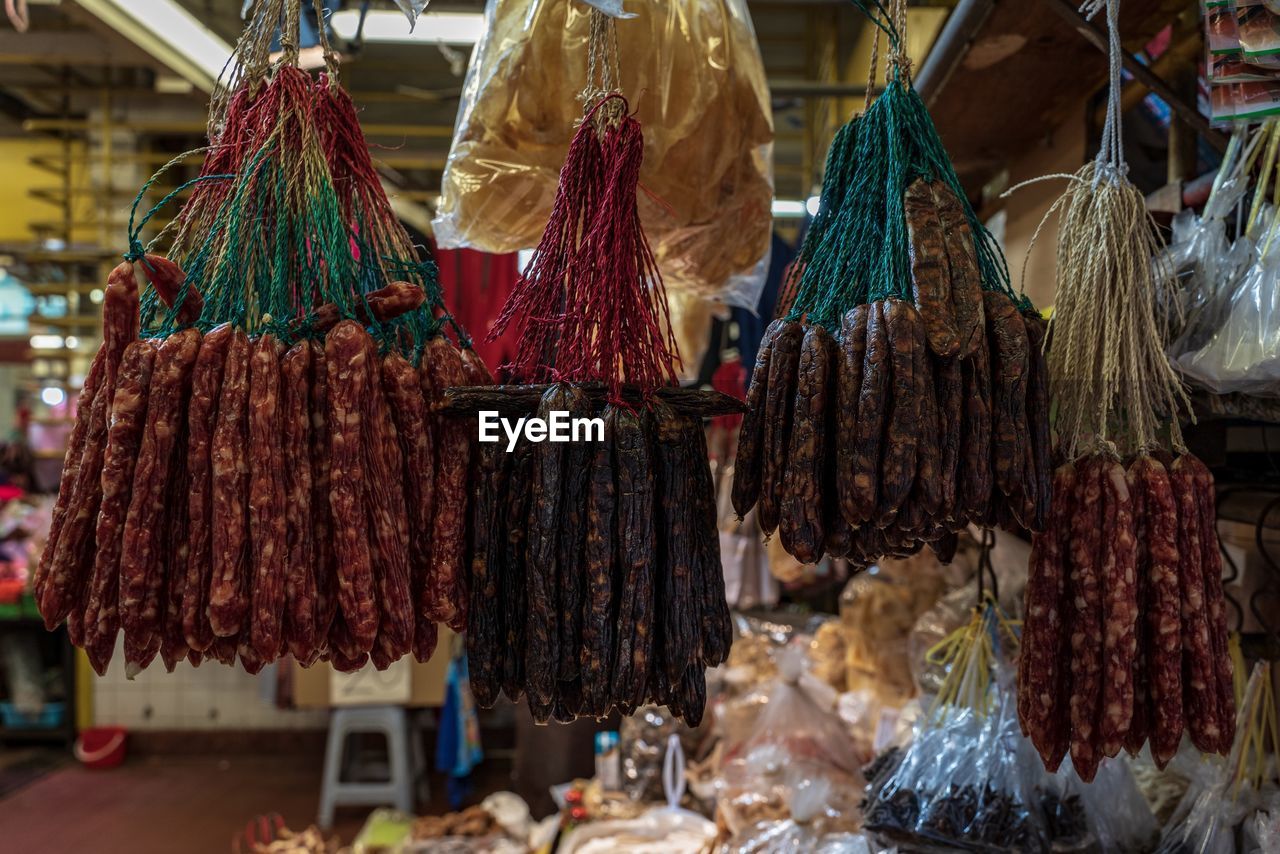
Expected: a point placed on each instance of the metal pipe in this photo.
(962, 26)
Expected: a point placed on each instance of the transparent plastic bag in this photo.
(1109, 814)
(695, 80)
(412, 9)
(965, 781)
(1262, 831)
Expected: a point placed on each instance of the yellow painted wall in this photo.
(18, 209)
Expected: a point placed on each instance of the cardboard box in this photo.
(314, 688)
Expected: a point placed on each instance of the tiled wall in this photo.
(212, 696)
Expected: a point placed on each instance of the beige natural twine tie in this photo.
(1111, 381)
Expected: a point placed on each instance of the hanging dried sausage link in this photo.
(542, 628)
(973, 475)
(1041, 656)
(446, 601)
(930, 274)
(873, 407)
(1200, 685)
(1008, 336)
(202, 415)
(93, 385)
(142, 555)
(692, 692)
(708, 573)
(1164, 626)
(902, 433)
(677, 526)
(349, 373)
(748, 464)
(600, 611)
(170, 283)
(175, 552)
(229, 462)
(927, 492)
(386, 303)
(1140, 723)
(571, 544)
(409, 411)
(514, 584)
(849, 361)
(124, 438)
(268, 528)
(784, 363)
(633, 469)
(948, 383)
(801, 520)
(388, 518)
(61, 586)
(1215, 599)
(324, 558)
(300, 579)
(1086, 616)
(962, 263)
(1120, 609)
(474, 369)
(484, 626)
(1041, 469)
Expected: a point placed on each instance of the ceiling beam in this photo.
(71, 47)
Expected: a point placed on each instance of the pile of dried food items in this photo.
(595, 565)
(901, 394)
(256, 467)
(1125, 636)
(693, 71)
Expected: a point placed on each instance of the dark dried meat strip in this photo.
(1009, 364)
(446, 602)
(514, 584)
(784, 363)
(322, 550)
(1140, 722)
(873, 406)
(902, 433)
(801, 523)
(749, 462)
(1120, 608)
(600, 607)
(948, 382)
(678, 518)
(542, 633)
(484, 615)
(349, 373)
(849, 363)
(973, 474)
(571, 544)
(633, 472)
(930, 273)
(300, 580)
(962, 263)
(268, 527)
(1085, 587)
(1164, 643)
(202, 416)
(229, 462)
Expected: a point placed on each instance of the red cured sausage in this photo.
(445, 588)
(1086, 616)
(1120, 609)
(268, 528)
(300, 579)
(229, 463)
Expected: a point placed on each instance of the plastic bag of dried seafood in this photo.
(695, 78)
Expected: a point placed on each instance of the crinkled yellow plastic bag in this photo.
(692, 72)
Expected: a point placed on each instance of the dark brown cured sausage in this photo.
(541, 632)
(927, 492)
(515, 563)
(801, 523)
(446, 603)
(1200, 680)
(948, 381)
(229, 582)
(873, 406)
(300, 579)
(268, 504)
(1140, 723)
(484, 615)
(784, 363)
(409, 410)
(143, 551)
(902, 433)
(930, 274)
(571, 545)
(349, 374)
(1038, 421)
(678, 519)
(128, 418)
(1164, 616)
(600, 608)
(1041, 659)
(633, 470)
(202, 416)
(1007, 333)
(962, 263)
(749, 462)
(323, 555)
(973, 474)
(1120, 609)
(849, 362)
(1086, 616)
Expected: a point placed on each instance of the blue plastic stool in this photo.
(404, 759)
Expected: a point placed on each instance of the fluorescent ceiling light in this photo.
(388, 25)
(169, 33)
(788, 208)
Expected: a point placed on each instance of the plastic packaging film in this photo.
(694, 78)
